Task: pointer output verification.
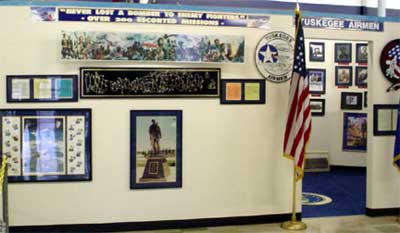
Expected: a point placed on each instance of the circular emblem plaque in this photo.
(274, 56)
(390, 63)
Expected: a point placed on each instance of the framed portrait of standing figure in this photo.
(156, 149)
(43, 145)
(355, 131)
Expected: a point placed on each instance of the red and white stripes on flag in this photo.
(298, 125)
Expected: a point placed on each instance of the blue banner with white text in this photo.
(345, 24)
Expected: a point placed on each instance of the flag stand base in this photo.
(294, 225)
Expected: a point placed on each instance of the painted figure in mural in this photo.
(155, 136)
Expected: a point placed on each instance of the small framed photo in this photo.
(242, 91)
(317, 81)
(355, 132)
(365, 99)
(42, 88)
(361, 79)
(317, 107)
(156, 149)
(343, 76)
(343, 52)
(351, 100)
(362, 53)
(44, 145)
(317, 51)
(385, 119)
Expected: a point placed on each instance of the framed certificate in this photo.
(242, 91)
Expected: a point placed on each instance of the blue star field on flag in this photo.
(299, 65)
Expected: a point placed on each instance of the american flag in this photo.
(298, 125)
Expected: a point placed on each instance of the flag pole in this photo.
(293, 224)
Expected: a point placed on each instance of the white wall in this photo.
(327, 131)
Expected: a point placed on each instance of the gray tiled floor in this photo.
(348, 224)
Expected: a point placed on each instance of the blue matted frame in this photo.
(341, 83)
(56, 113)
(341, 48)
(52, 78)
(314, 57)
(360, 58)
(323, 81)
(377, 108)
(133, 139)
(243, 83)
(354, 142)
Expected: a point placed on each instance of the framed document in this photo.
(317, 81)
(385, 119)
(156, 149)
(46, 144)
(42, 88)
(355, 131)
(242, 91)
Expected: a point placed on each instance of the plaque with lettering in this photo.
(149, 82)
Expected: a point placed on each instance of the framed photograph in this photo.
(362, 53)
(385, 119)
(317, 107)
(355, 131)
(343, 76)
(242, 91)
(317, 81)
(361, 76)
(351, 100)
(317, 51)
(365, 99)
(47, 144)
(42, 88)
(343, 52)
(124, 82)
(156, 149)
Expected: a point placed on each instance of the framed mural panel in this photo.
(154, 47)
(123, 82)
(343, 52)
(343, 76)
(317, 81)
(351, 100)
(156, 149)
(42, 88)
(355, 131)
(242, 91)
(317, 107)
(362, 53)
(46, 144)
(361, 79)
(385, 119)
(317, 51)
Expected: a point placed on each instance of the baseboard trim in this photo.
(382, 212)
(155, 225)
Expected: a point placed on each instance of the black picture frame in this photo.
(361, 77)
(317, 107)
(317, 51)
(351, 100)
(146, 82)
(317, 81)
(158, 163)
(42, 88)
(343, 52)
(365, 99)
(47, 145)
(242, 91)
(354, 132)
(362, 53)
(385, 119)
(343, 76)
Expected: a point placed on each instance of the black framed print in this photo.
(354, 132)
(317, 81)
(361, 79)
(156, 149)
(362, 53)
(242, 91)
(317, 51)
(351, 100)
(365, 99)
(385, 119)
(343, 76)
(42, 88)
(343, 52)
(317, 107)
(47, 144)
